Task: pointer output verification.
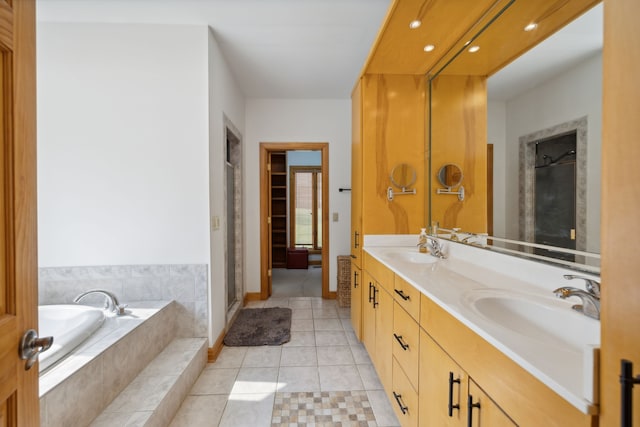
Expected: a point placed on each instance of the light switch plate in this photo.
(335, 217)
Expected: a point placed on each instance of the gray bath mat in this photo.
(260, 326)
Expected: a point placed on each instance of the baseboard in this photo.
(251, 296)
(214, 351)
(333, 295)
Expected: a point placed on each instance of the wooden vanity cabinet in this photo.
(356, 300)
(448, 397)
(377, 317)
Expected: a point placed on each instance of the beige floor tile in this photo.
(327, 325)
(299, 356)
(299, 303)
(302, 325)
(325, 313)
(255, 381)
(296, 378)
(248, 410)
(301, 313)
(200, 411)
(385, 417)
(262, 356)
(360, 355)
(301, 339)
(215, 381)
(335, 378)
(330, 338)
(230, 357)
(369, 377)
(335, 355)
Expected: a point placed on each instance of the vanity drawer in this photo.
(406, 343)
(382, 274)
(404, 398)
(407, 296)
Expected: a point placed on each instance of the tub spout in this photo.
(111, 300)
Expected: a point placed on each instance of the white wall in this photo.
(497, 135)
(122, 144)
(225, 100)
(277, 120)
(569, 96)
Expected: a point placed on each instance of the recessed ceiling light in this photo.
(531, 27)
(474, 49)
(429, 48)
(415, 24)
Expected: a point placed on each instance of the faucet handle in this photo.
(592, 286)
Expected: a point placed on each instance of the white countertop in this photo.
(563, 362)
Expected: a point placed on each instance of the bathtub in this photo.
(69, 325)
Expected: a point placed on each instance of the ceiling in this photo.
(275, 48)
(309, 49)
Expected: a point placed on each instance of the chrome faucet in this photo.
(590, 298)
(111, 302)
(434, 247)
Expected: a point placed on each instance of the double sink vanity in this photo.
(476, 337)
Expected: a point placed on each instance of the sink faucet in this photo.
(590, 298)
(111, 300)
(434, 246)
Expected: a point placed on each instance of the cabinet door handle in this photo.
(404, 346)
(356, 239)
(375, 300)
(402, 295)
(370, 293)
(355, 279)
(470, 406)
(403, 408)
(627, 381)
(451, 383)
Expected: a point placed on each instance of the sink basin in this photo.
(544, 319)
(412, 257)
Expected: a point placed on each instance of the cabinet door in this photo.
(368, 313)
(356, 300)
(384, 335)
(483, 411)
(356, 175)
(442, 387)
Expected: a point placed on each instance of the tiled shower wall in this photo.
(184, 283)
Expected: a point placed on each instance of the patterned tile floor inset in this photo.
(326, 408)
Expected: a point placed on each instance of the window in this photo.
(306, 206)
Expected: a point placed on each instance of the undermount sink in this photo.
(544, 319)
(412, 257)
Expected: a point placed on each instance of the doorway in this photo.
(301, 251)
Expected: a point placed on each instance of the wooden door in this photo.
(620, 315)
(19, 405)
(487, 413)
(441, 383)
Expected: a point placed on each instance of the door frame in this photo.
(265, 259)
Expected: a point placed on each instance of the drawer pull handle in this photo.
(370, 293)
(375, 300)
(470, 406)
(404, 346)
(451, 383)
(403, 408)
(355, 279)
(402, 295)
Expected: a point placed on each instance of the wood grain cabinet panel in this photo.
(407, 296)
(381, 274)
(406, 343)
(404, 398)
(356, 300)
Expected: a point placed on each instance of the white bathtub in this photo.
(69, 325)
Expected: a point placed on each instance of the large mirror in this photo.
(543, 127)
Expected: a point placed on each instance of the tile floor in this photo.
(297, 282)
(324, 355)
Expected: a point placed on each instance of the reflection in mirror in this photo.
(553, 90)
(450, 175)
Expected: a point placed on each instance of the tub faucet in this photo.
(111, 302)
(590, 298)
